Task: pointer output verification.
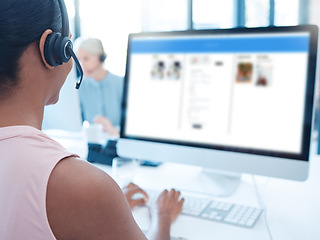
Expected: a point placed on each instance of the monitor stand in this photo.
(219, 184)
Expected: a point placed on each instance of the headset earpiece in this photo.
(49, 49)
(103, 57)
(56, 52)
(60, 50)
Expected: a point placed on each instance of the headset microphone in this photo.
(71, 52)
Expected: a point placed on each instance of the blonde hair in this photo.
(93, 46)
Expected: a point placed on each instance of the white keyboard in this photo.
(207, 208)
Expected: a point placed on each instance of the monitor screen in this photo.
(240, 90)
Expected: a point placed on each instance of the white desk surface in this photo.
(293, 208)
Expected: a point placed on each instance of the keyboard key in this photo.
(242, 216)
(250, 223)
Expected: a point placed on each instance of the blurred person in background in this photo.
(101, 91)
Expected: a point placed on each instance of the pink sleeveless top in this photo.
(27, 158)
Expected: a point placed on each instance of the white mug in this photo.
(94, 133)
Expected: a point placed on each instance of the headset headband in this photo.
(64, 17)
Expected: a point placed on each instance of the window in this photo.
(164, 15)
(257, 13)
(213, 14)
(111, 21)
(70, 8)
(71, 14)
(286, 12)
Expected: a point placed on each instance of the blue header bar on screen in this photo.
(296, 43)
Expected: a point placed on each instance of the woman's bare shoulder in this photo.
(83, 202)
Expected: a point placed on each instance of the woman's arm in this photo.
(83, 202)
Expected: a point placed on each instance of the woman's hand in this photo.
(130, 190)
(107, 125)
(168, 206)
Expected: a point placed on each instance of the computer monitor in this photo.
(238, 100)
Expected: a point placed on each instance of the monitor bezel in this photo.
(312, 30)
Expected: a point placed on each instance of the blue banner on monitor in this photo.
(269, 43)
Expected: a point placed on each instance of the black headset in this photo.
(58, 47)
(103, 57)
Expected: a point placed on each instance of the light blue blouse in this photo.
(102, 98)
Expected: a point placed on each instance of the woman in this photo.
(45, 191)
(101, 91)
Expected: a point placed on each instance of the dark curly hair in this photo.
(22, 22)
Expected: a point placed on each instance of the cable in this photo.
(264, 212)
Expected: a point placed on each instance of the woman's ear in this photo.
(42, 42)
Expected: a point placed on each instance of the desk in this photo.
(293, 208)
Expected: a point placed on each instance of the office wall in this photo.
(66, 114)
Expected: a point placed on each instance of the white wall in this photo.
(111, 21)
(66, 114)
